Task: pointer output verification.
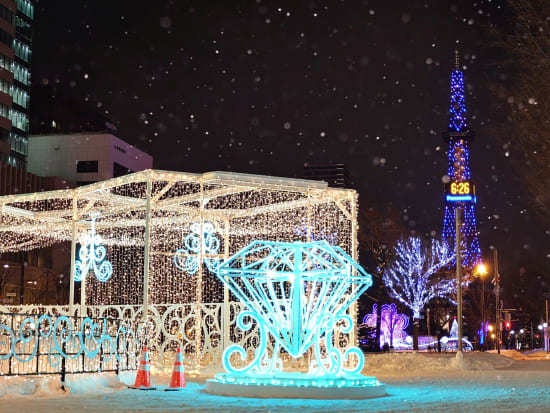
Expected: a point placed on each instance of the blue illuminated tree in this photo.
(459, 136)
(413, 279)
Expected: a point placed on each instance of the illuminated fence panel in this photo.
(32, 344)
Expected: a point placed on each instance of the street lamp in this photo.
(481, 271)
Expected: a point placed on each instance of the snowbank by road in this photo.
(436, 363)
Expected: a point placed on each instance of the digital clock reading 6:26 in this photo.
(460, 191)
(460, 188)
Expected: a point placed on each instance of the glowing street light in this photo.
(481, 271)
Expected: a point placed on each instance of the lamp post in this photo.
(481, 270)
(458, 282)
(497, 296)
(546, 328)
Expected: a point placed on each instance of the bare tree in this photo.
(378, 232)
(527, 41)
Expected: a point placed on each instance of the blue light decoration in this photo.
(483, 332)
(330, 237)
(297, 295)
(457, 113)
(451, 342)
(92, 257)
(392, 325)
(187, 258)
(459, 136)
(66, 342)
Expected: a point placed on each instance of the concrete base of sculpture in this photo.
(296, 386)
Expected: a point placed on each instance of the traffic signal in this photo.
(508, 325)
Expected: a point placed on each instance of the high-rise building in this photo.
(336, 174)
(16, 19)
(460, 197)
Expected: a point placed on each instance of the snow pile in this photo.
(514, 354)
(537, 354)
(93, 383)
(26, 386)
(48, 386)
(432, 362)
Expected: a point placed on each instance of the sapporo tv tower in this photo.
(460, 196)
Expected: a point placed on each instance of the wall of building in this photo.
(73, 157)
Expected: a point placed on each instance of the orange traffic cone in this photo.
(143, 378)
(178, 374)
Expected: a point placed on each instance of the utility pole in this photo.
(483, 311)
(22, 280)
(497, 294)
(546, 329)
(458, 280)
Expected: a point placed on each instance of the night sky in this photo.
(265, 87)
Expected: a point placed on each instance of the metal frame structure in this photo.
(144, 217)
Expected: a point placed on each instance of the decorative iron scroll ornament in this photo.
(187, 258)
(92, 257)
(298, 293)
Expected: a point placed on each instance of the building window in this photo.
(119, 170)
(86, 166)
(118, 148)
(23, 28)
(25, 7)
(6, 63)
(21, 50)
(4, 111)
(18, 143)
(20, 97)
(20, 73)
(6, 38)
(19, 120)
(6, 14)
(5, 87)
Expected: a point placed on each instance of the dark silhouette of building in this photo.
(336, 175)
(56, 110)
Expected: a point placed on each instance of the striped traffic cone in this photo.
(143, 378)
(178, 374)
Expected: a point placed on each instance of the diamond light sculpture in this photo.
(297, 294)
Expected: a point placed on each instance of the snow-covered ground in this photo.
(483, 382)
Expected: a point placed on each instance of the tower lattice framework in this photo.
(459, 136)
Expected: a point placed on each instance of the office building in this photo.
(16, 19)
(84, 158)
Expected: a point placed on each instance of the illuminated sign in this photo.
(460, 192)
